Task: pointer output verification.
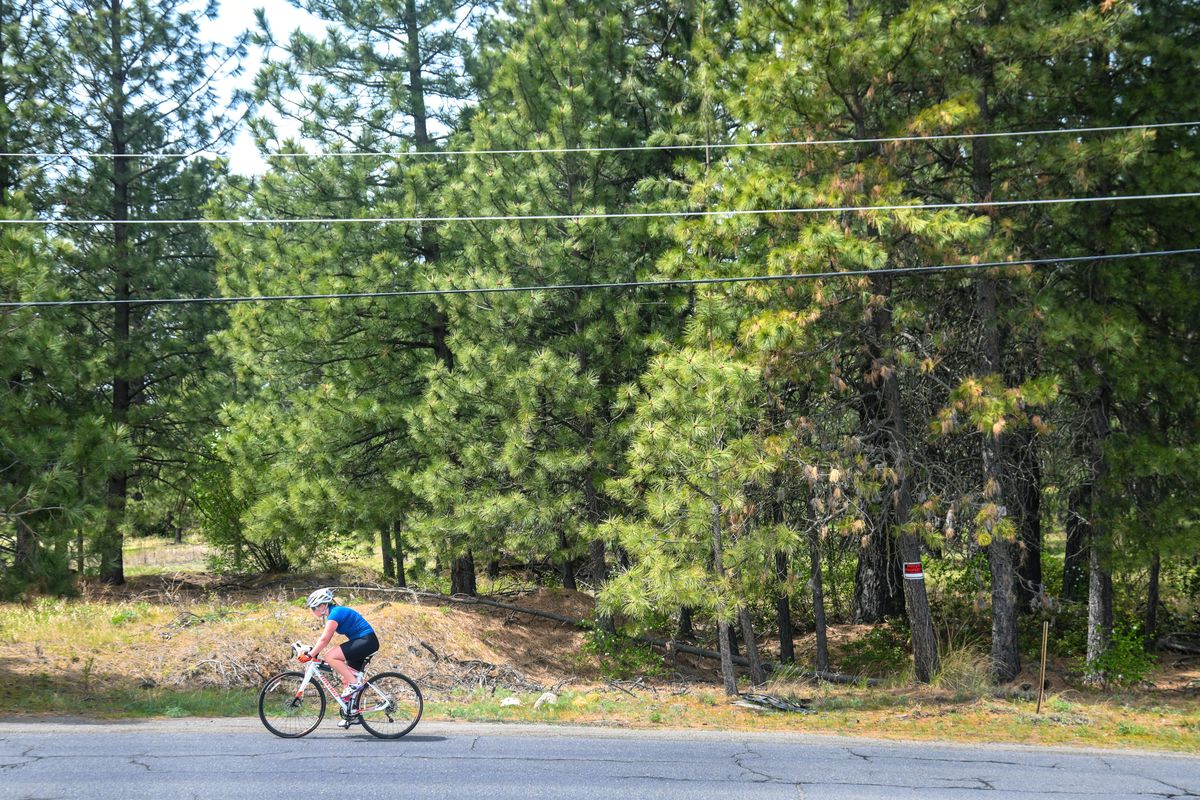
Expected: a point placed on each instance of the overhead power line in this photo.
(609, 215)
(936, 137)
(559, 287)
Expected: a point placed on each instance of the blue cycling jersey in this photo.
(350, 623)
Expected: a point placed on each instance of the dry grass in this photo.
(914, 714)
(157, 555)
(217, 642)
(175, 647)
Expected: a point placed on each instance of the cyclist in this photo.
(346, 658)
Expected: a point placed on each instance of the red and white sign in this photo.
(913, 571)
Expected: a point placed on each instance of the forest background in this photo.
(724, 311)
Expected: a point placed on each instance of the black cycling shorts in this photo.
(356, 650)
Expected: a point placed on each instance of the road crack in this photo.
(749, 752)
(1180, 791)
(29, 757)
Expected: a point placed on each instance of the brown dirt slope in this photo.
(191, 632)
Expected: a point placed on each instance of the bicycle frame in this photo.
(314, 671)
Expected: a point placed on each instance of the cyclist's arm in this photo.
(326, 638)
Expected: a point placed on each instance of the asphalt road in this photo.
(180, 759)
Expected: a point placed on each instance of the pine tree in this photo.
(693, 451)
(1013, 58)
(1115, 332)
(521, 430)
(385, 78)
(55, 445)
(832, 71)
(141, 81)
(55, 452)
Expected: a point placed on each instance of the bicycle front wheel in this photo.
(390, 705)
(287, 710)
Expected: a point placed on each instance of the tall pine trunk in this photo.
(1100, 596)
(920, 619)
(818, 598)
(684, 630)
(1152, 600)
(1002, 550)
(597, 564)
(398, 554)
(877, 579)
(599, 570)
(566, 567)
(1078, 529)
(877, 592)
(112, 566)
(462, 575)
(416, 76)
(724, 629)
(997, 480)
(1028, 487)
(462, 570)
(1100, 610)
(385, 548)
(782, 598)
(758, 675)
(783, 611)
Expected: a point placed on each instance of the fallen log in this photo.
(1172, 642)
(742, 661)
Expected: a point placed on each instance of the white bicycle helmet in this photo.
(319, 597)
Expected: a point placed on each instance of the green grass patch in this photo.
(908, 716)
(128, 703)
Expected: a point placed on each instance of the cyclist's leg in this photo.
(337, 660)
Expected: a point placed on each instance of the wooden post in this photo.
(1042, 676)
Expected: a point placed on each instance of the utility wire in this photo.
(625, 149)
(559, 287)
(610, 215)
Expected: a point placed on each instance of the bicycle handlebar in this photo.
(299, 649)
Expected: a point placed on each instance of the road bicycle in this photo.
(292, 704)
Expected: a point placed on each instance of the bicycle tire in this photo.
(390, 705)
(286, 713)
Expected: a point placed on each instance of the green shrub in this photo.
(958, 587)
(49, 572)
(222, 523)
(883, 650)
(1060, 705)
(1126, 662)
(622, 657)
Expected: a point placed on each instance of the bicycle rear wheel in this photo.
(390, 705)
(286, 710)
